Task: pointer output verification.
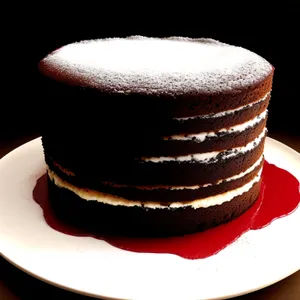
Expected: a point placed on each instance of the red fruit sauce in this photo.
(279, 197)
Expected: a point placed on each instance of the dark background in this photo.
(271, 32)
(30, 31)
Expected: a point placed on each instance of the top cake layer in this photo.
(156, 66)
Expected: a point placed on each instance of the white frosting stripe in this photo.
(235, 177)
(200, 137)
(224, 113)
(209, 156)
(92, 195)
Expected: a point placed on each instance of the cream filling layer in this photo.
(224, 113)
(207, 156)
(92, 195)
(200, 137)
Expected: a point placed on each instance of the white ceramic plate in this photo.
(93, 267)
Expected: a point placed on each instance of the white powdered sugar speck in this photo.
(151, 65)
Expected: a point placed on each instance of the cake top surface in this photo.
(173, 65)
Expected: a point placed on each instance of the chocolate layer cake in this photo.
(154, 137)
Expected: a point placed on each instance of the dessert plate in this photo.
(92, 267)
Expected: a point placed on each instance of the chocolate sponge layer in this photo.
(158, 194)
(124, 170)
(179, 105)
(97, 217)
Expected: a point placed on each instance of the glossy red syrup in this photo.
(279, 197)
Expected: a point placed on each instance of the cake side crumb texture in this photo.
(164, 135)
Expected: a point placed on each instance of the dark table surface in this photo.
(16, 285)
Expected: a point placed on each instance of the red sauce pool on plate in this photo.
(279, 197)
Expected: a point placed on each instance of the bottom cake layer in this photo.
(99, 218)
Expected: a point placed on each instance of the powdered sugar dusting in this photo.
(152, 65)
